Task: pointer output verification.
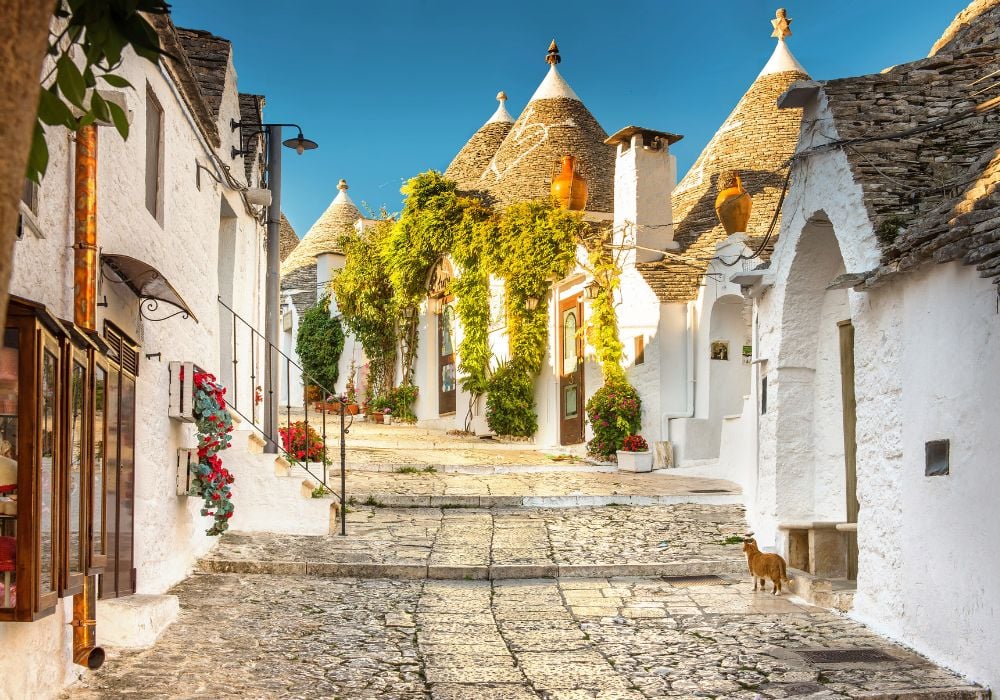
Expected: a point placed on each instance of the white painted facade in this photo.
(925, 370)
(206, 244)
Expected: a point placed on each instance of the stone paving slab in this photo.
(266, 636)
(684, 539)
(553, 489)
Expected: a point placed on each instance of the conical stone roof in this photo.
(323, 236)
(757, 139)
(555, 123)
(298, 271)
(967, 30)
(287, 238)
(475, 155)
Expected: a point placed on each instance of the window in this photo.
(118, 578)
(46, 439)
(29, 209)
(154, 155)
(640, 349)
(763, 396)
(97, 531)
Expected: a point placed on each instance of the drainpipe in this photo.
(689, 352)
(85, 649)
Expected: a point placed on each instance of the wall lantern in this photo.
(409, 312)
(591, 290)
(300, 144)
(531, 303)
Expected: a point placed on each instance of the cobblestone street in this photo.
(522, 583)
(246, 635)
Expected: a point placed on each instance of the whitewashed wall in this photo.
(169, 533)
(926, 369)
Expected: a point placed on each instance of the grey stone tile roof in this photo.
(965, 32)
(476, 154)
(301, 284)
(252, 115)
(209, 57)
(185, 76)
(324, 235)
(932, 195)
(756, 139)
(530, 156)
(288, 239)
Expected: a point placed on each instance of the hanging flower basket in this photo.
(209, 479)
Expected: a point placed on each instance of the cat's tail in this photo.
(784, 571)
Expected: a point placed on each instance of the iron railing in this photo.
(260, 352)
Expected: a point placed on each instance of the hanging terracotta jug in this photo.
(569, 187)
(733, 204)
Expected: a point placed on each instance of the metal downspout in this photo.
(85, 649)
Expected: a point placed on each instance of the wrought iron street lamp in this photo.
(273, 281)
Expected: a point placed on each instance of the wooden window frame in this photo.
(71, 582)
(97, 557)
(153, 104)
(46, 599)
(39, 335)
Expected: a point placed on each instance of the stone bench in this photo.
(818, 547)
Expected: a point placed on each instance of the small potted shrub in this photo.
(387, 416)
(635, 456)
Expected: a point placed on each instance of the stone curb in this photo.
(468, 572)
(446, 501)
(955, 693)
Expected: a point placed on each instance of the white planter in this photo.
(181, 391)
(387, 420)
(635, 461)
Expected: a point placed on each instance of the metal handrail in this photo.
(289, 362)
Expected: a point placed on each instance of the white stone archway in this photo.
(805, 381)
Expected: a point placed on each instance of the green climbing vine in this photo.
(319, 344)
(385, 280)
(365, 298)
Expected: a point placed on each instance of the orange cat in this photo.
(764, 565)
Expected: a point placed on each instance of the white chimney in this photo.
(645, 175)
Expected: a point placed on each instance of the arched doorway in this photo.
(815, 467)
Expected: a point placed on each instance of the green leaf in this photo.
(38, 158)
(119, 118)
(70, 81)
(53, 111)
(116, 80)
(99, 106)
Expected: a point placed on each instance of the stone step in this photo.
(581, 501)
(469, 572)
(835, 594)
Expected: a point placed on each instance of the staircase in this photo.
(273, 492)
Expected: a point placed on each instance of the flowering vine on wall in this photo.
(210, 479)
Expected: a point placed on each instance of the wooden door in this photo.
(570, 366)
(447, 376)
(846, 329)
(118, 578)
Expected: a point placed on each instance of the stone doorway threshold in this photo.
(833, 593)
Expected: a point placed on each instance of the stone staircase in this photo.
(271, 495)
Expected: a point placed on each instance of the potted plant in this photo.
(635, 455)
(387, 416)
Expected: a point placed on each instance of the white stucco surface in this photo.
(184, 241)
(926, 369)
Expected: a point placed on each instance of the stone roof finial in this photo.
(553, 57)
(501, 97)
(782, 25)
(342, 185)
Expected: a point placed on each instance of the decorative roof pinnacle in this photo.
(782, 25)
(501, 97)
(342, 185)
(552, 58)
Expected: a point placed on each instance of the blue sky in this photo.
(392, 88)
